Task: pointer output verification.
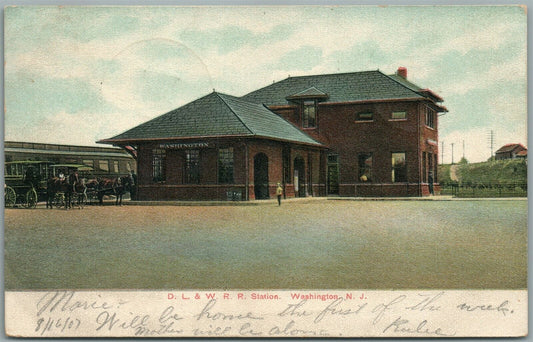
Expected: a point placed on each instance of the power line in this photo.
(452, 153)
(490, 139)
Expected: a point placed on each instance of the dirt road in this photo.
(323, 244)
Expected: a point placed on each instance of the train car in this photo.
(105, 161)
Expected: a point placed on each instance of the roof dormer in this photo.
(308, 94)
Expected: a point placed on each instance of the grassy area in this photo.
(501, 178)
(319, 245)
(494, 172)
(444, 174)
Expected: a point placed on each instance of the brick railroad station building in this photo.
(350, 134)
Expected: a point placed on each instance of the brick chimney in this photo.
(402, 71)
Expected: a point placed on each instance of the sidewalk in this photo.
(272, 201)
(428, 198)
(305, 200)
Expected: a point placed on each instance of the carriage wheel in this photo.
(90, 197)
(10, 197)
(84, 199)
(59, 200)
(80, 200)
(31, 198)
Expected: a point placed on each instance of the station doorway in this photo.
(261, 176)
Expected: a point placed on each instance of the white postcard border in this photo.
(266, 314)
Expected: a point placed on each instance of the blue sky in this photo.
(79, 74)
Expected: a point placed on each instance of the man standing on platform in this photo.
(279, 192)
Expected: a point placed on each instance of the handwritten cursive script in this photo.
(226, 314)
(334, 309)
(400, 325)
(503, 308)
(206, 313)
(64, 301)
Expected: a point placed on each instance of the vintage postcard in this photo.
(265, 171)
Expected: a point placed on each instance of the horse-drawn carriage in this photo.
(67, 185)
(60, 185)
(89, 189)
(25, 182)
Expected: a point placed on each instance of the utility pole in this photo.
(452, 153)
(464, 150)
(490, 139)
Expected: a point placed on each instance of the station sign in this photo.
(178, 146)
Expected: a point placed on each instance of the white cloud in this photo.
(123, 87)
(509, 108)
(60, 128)
(489, 37)
(250, 66)
(510, 69)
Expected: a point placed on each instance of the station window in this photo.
(158, 165)
(225, 165)
(309, 114)
(430, 117)
(424, 167)
(365, 167)
(435, 168)
(192, 170)
(286, 156)
(365, 116)
(401, 115)
(333, 158)
(399, 167)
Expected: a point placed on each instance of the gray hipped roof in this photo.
(345, 87)
(216, 115)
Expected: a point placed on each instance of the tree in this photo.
(463, 161)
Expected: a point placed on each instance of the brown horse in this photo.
(92, 188)
(70, 188)
(55, 186)
(114, 186)
(79, 192)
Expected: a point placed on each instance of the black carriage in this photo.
(25, 182)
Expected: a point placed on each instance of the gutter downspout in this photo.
(247, 181)
(420, 105)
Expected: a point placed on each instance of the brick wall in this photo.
(209, 189)
(346, 136)
(339, 129)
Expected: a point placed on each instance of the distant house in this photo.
(511, 151)
(522, 154)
